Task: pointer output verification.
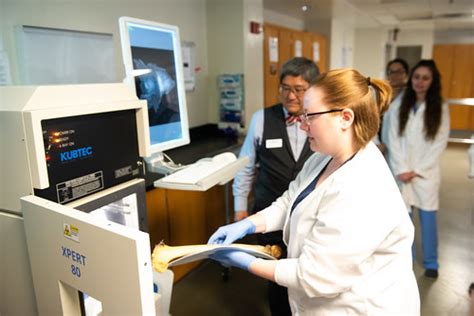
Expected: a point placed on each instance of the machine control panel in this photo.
(88, 153)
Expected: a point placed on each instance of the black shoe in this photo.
(431, 273)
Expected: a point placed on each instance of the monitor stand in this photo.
(162, 164)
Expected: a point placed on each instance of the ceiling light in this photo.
(305, 8)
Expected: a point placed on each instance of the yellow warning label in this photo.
(74, 230)
(71, 231)
(67, 231)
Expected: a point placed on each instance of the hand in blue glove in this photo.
(229, 233)
(234, 258)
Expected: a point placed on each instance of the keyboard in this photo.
(201, 169)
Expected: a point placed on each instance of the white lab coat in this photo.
(412, 152)
(383, 136)
(387, 117)
(349, 241)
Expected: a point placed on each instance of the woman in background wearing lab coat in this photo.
(418, 135)
(343, 218)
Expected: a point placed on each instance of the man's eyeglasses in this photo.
(305, 116)
(298, 90)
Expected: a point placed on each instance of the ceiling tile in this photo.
(371, 13)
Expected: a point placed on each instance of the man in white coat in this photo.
(343, 218)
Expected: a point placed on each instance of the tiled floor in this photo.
(448, 294)
(203, 292)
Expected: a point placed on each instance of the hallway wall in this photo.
(102, 17)
(235, 50)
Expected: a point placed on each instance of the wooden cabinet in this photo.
(185, 218)
(456, 65)
(270, 65)
(286, 47)
(282, 44)
(318, 51)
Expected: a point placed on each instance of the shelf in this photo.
(221, 177)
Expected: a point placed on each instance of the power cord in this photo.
(163, 164)
(170, 166)
(169, 163)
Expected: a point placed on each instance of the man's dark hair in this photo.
(398, 61)
(300, 66)
(471, 288)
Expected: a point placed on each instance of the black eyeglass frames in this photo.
(305, 116)
(297, 90)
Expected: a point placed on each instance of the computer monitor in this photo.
(152, 56)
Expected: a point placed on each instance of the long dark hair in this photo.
(433, 100)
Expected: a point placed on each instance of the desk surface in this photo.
(206, 141)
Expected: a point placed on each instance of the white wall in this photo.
(369, 52)
(225, 45)
(253, 59)
(323, 27)
(102, 16)
(369, 47)
(219, 28)
(342, 44)
(417, 37)
(454, 37)
(1, 24)
(233, 49)
(279, 19)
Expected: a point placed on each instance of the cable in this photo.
(171, 165)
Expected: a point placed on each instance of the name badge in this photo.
(274, 143)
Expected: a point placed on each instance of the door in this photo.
(280, 45)
(456, 65)
(16, 289)
(412, 54)
(271, 61)
(318, 51)
(73, 253)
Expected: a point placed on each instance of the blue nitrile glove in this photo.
(227, 234)
(233, 258)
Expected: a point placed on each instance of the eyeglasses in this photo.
(298, 90)
(306, 116)
(396, 72)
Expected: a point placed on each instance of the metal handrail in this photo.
(461, 140)
(461, 101)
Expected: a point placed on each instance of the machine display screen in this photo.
(152, 57)
(88, 153)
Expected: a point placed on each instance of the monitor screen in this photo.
(153, 66)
